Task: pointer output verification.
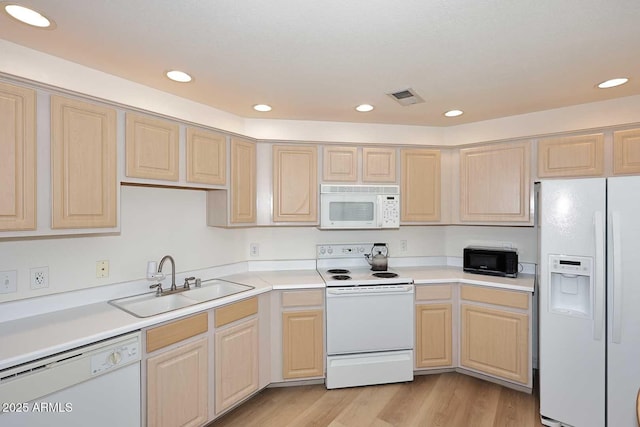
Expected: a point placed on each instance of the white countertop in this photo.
(42, 335)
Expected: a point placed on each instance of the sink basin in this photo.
(149, 304)
(214, 289)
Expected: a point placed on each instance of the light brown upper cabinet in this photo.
(340, 164)
(83, 164)
(570, 156)
(378, 164)
(495, 183)
(152, 148)
(295, 183)
(626, 152)
(17, 158)
(243, 181)
(206, 157)
(420, 185)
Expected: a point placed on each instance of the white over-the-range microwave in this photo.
(359, 206)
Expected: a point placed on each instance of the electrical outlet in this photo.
(254, 249)
(403, 245)
(39, 277)
(8, 281)
(102, 269)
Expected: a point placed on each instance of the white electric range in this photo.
(370, 320)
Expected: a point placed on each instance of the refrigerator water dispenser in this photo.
(571, 285)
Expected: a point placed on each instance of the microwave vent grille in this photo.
(360, 189)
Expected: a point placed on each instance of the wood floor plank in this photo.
(440, 400)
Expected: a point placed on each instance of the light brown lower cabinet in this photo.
(433, 335)
(236, 363)
(302, 344)
(495, 342)
(177, 386)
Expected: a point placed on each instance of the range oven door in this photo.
(366, 319)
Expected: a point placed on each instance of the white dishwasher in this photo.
(96, 385)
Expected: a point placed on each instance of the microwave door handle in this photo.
(380, 209)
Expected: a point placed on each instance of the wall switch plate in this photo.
(403, 245)
(39, 277)
(102, 269)
(8, 281)
(254, 249)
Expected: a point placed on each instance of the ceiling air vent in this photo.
(406, 97)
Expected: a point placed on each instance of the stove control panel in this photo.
(352, 250)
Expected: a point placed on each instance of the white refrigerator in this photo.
(589, 301)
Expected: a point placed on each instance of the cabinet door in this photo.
(626, 152)
(379, 164)
(17, 158)
(243, 181)
(236, 361)
(581, 155)
(177, 386)
(206, 157)
(83, 164)
(152, 148)
(495, 342)
(302, 344)
(433, 335)
(420, 185)
(295, 183)
(495, 183)
(340, 164)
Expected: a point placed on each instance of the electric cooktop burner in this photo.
(341, 277)
(385, 275)
(338, 271)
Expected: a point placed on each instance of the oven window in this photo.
(351, 211)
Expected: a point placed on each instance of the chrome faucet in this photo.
(173, 270)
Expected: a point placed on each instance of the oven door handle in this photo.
(370, 291)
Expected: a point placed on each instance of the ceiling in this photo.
(318, 60)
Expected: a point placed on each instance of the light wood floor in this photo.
(447, 400)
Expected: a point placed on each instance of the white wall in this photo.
(154, 222)
(521, 238)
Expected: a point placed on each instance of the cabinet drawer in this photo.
(433, 292)
(513, 299)
(302, 298)
(236, 311)
(174, 332)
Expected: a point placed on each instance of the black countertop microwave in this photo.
(491, 261)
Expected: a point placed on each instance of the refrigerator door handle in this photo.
(616, 237)
(598, 318)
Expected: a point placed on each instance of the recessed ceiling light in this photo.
(613, 83)
(28, 16)
(179, 76)
(453, 113)
(262, 107)
(364, 108)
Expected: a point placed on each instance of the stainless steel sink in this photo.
(150, 304)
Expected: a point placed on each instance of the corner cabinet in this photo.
(83, 164)
(295, 183)
(420, 185)
(236, 353)
(177, 373)
(495, 183)
(206, 157)
(17, 158)
(495, 333)
(151, 148)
